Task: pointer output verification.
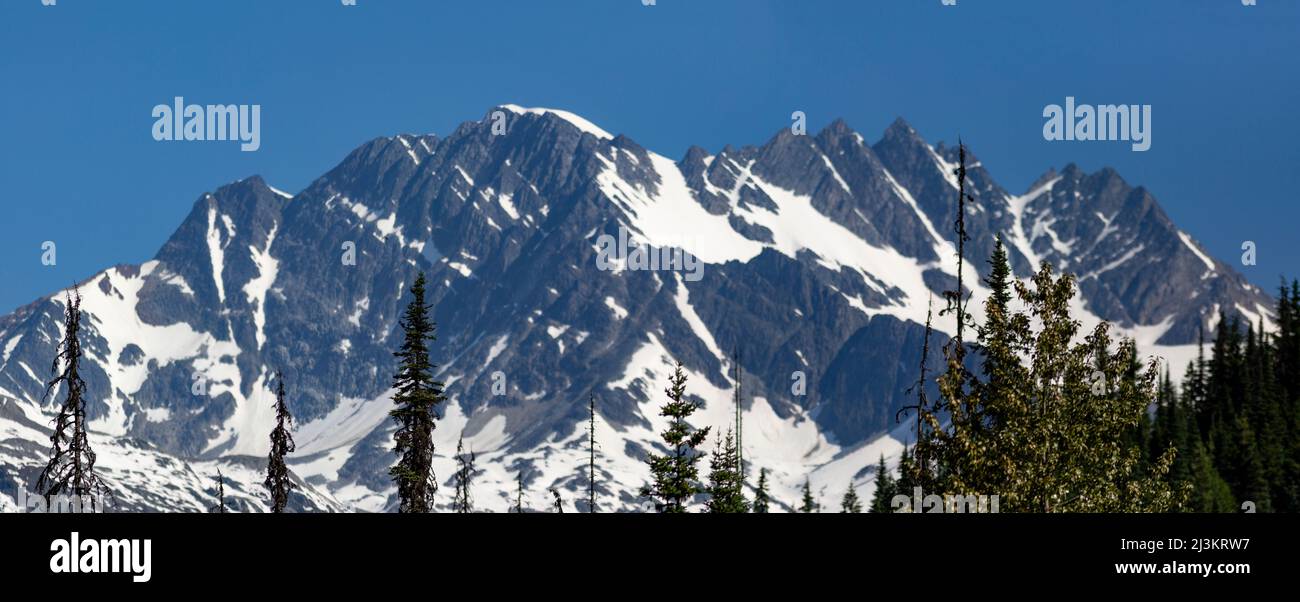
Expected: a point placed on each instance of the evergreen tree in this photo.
(1222, 401)
(463, 502)
(676, 474)
(1210, 493)
(906, 482)
(1194, 387)
(1243, 419)
(850, 503)
(726, 494)
(881, 500)
(1286, 375)
(1264, 411)
(519, 492)
(760, 493)
(1001, 341)
(417, 399)
(277, 481)
(71, 469)
(1288, 342)
(220, 508)
(1193, 470)
(809, 504)
(1248, 467)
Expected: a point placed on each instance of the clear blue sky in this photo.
(78, 81)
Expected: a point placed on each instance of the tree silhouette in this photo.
(277, 472)
(71, 469)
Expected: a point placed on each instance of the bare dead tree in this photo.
(463, 502)
(591, 450)
(220, 508)
(71, 469)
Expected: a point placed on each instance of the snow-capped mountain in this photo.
(819, 255)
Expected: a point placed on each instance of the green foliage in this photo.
(761, 499)
(416, 399)
(1242, 423)
(886, 489)
(1053, 432)
(850, 503)
(809, 504)
(1053, 424)
(676, 474)
(726, 489)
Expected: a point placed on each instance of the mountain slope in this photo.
(819, 255)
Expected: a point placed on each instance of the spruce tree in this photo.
(850, 503)
(71, 468)
(1265, 413)
(1195, 386)
(519, 492)
(1210, 493)
(417, 397)
(1248, 466)
(676, 474)
(883, 497)
(1286, 376)
(725, 487)
(1246, 426)
(1222, 402)
(761, 500)
(809, 504)
(462, 501)
(1193, 469)
(277, 481)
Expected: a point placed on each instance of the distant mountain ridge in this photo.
(820, 252)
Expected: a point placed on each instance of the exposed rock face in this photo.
(819, 256)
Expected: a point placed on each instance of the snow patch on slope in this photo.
(216, 252)
(671, 217)
(1187, 240)
(255, 290)
(682, 298)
